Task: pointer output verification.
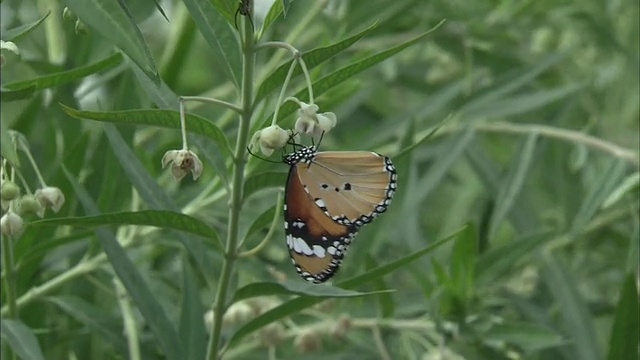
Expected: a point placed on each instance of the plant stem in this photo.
(248, 49)
(130, 329)
(9, 276)
(564, 134)
(36, 292)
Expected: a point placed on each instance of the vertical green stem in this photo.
(9, 276)
(248, 50)
(10, 283)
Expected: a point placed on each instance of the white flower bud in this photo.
(8, 45)
(182, 161)
(309, 122)
(11, 224)
(50, 197)
(269, 139)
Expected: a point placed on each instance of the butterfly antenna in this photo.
(260, 157)
(319, 140)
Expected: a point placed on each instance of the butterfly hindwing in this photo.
(328, 197)
(316, 242)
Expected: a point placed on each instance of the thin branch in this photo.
(377, 339)
(564, 134)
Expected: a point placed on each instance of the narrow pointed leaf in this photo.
(192, 328)
(155, 117)
(112, 20)
(158, 218)
(311, 58)
(21, 340)
(512, 184)
(623, 343)
(261, 181)
(219, 35)
(137, 288)
(64, 77)
(297, 287)
(22, 30)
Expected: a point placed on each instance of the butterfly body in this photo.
(329, 196)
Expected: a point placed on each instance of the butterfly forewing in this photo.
(353, 186)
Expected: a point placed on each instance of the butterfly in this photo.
(329, 196)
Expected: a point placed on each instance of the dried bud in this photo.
(339, 329)
(182, 161)
(308, 340)
(272, 334)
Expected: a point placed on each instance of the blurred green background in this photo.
(538, 153)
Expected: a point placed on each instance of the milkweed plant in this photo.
(196, 195)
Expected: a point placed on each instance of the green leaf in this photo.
(512, 183)
(303, 302)
(603, 185)
(631, 183)
(93, 318)
(408, 149)
(112, 20)
(341, 75)
(262, 221)
(296, 287)
(7, 95)
(522, 103)
(500, 260)
(527, 336)
(524, 78)
(158, 218)
(220, 36)
(146, 302)
(311, 58)
(65, 77)
(226, 8)
(576, 318)
(21, 340)
(264, 180)
(385, 300)
(6, 146)
(156, 117)
(192, 328)
(463, 262)
(449, 155)
(623, 342)
(22, 30)
(285, 6)
(274, 11)
(45, 246)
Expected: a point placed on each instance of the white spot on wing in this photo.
(318, 251)
(301, 246)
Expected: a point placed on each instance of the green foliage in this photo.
(514, 233)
